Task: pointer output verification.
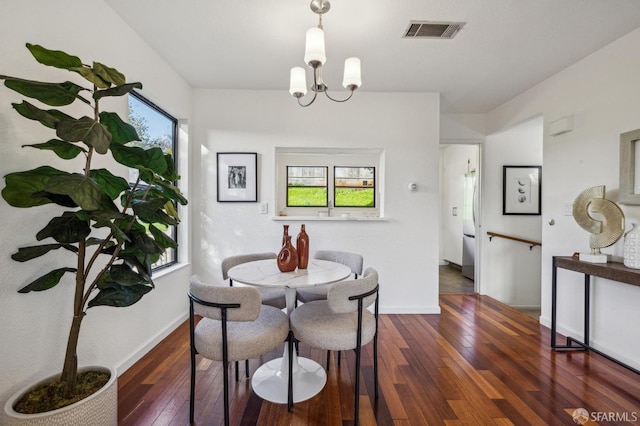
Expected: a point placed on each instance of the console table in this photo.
(612, 271)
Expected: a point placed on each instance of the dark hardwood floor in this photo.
(478, 362)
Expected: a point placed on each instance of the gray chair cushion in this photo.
(270, 296)
(248, 297)
(245, 339)
(306, 295)
(315, 324)
(352, 260)
(332, 324)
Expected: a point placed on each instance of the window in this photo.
(156, 128)
(307, 186)
(340, 182)
(354, 186)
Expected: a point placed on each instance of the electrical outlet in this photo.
(567, 209)
(264, 208)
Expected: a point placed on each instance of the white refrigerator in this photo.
(469, 225)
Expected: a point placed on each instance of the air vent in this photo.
(430, 29)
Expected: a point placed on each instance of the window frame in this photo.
(335, 186)
(329, 157)
(174, 153)
(325, 186)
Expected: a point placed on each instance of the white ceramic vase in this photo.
(99, 409)
(632, 247)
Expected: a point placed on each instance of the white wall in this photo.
(601, 92)
(510, 271)
(403, 249)
(35, 326)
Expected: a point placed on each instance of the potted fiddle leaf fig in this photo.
(112, 229)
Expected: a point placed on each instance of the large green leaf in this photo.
(147, 207)
(25, 189)
(49, 118)
(89, 74)
(54, 94)
(61, 200)
(121, 132)
(124, 275)
(109, 74)
(54, 58)
(119, 296)
(112, 185)
(86, 130)
(65, 229)
(161, 238)
(47, 281)
(62, 149)
(116, 91)
(145, 243)
(83, 190)
(170, 191)
(132, 156)
(27, 253)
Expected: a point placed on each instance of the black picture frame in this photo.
(521, 190)
(237, 174)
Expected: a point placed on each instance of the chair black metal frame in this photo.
(224, 308)
(356, 268)
(228, 263)
(225, 355)
(358, 351)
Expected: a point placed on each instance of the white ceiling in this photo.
(506, 46)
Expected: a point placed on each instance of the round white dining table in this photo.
(270, 381)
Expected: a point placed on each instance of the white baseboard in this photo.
(410, 309)
(150, 344)
(594, 343)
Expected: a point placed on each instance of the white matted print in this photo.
(521, 190)
(237, 176)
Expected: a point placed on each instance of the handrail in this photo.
(532, 244)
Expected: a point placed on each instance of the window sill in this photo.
(330, 218)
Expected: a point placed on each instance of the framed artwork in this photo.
(237, 176)
(521, 187)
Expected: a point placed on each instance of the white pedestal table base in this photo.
(271, 380)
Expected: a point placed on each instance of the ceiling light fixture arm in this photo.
(315, 58)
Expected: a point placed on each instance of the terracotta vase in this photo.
(302, 246)
(285, 234)
(288, 257)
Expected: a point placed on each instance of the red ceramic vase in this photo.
(288, 257)
(302, 246)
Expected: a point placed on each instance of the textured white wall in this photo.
(510, 272)
(601, 92)
(404, 249)
(35, 326)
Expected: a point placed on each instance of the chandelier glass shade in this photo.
(315, 57)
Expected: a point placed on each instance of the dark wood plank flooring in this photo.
(479, 362)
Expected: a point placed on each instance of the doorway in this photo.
(459, 201)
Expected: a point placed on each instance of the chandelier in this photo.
(315, 57)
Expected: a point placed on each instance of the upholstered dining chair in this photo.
(342, 322)
(353, 260)
(270, 296)
(235, 326)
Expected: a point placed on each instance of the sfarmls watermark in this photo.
(582, 416)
